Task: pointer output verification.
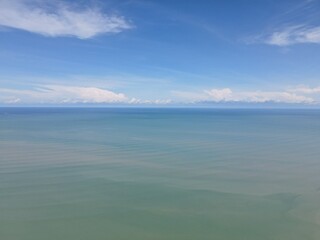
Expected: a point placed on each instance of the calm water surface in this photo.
(167, 174)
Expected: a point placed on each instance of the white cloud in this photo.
(219, 94)
(278, 97)
(61, 94)
(305, 90)
(227, 95)
(294, 35)
(58, 19)
(9, 100)
(157, 101)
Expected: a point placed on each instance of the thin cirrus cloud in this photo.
(228, 95)
(292, 35)
(59, 19)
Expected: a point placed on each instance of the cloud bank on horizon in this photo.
(57, 94)
(174, 53)
(228, 95)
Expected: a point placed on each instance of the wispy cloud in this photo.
(296, 23)
(58, 19)
(291, 35)
(228, 95)
(294, 35)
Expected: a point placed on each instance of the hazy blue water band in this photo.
(159, 174)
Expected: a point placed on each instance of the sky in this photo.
(160, 52)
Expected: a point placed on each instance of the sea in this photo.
(159, 174)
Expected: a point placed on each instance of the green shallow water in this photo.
(159, 174)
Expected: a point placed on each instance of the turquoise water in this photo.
(159, 174)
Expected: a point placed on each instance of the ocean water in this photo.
(159, 174)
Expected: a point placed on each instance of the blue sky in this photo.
(159, 52)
